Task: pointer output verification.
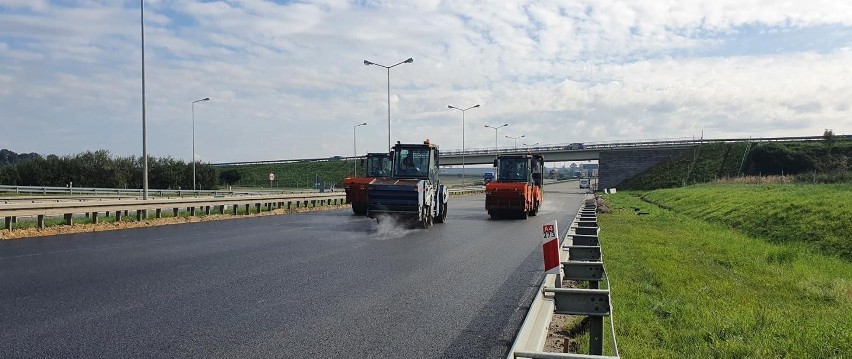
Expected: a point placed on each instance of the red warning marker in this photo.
(551, 248)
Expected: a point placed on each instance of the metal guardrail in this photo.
(132, 191)
(680, 141)
(11, 211)
(584, 264)
(94, 207)
(609, 145)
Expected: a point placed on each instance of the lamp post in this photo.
(462, 111)
(516, 140)
(355, 150)
(193, 139)
(144, 123)
(368, 63)
(495, 134)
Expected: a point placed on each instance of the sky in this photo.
(286, 79)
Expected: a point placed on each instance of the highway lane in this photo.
(322, 284)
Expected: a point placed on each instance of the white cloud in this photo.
(288, 81)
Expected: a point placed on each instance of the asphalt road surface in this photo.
(322, 284)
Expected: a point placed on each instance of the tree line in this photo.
(99, 169)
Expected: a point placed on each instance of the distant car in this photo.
(576, 146)
(584, 183)
(487, 177)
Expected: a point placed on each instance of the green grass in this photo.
(301, 175)
(817, 215)
(712, 161)
(290, 175)
(684, 287)
(704, 163)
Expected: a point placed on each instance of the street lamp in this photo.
(193, 139)
(355, 150)
(516, 139)
(368, 63)
(495, 134)
(462, 111)
(144, 123)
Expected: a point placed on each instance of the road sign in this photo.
(271, 176)
(550, 235)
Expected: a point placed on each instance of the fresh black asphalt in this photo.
(323, 284)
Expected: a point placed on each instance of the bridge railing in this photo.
(665, 142)
(679, 141)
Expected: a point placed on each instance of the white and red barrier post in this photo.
(550, 234)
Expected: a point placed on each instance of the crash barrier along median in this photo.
(11, 212)
(97, 208)
(583, 263)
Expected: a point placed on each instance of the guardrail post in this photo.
(257, 206)
(94, 217)
(69, 219)
(175, 212)
(8, 223)
(191, 211)
(248, 206)
(118, 216)
(235, 209)
(158, 213)
(40, 221)
(593, 303)
(596, 335)
(138, 215)
(221, 209)
(206, 210)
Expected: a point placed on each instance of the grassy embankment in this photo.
(732, 271)
(301, 174)
(293, 175)
(812, 162)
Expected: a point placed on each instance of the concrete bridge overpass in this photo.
(618, 160)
